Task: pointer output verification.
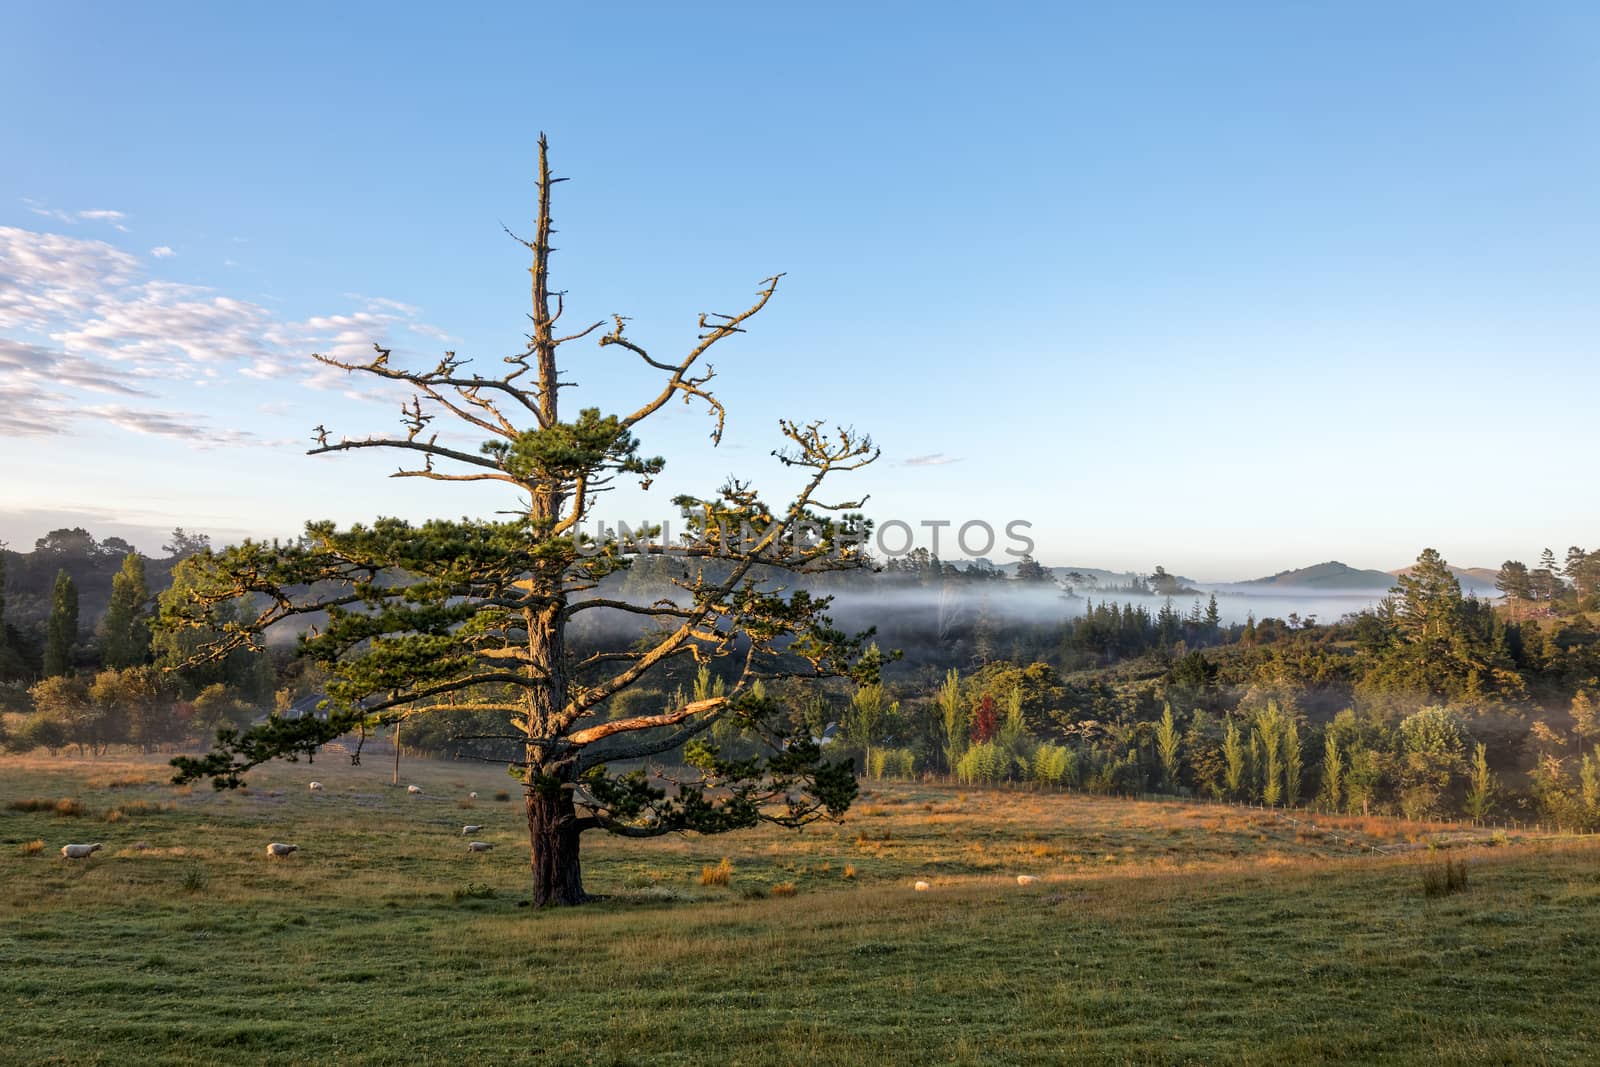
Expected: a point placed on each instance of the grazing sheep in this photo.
(479, 846)
(1026, 879)
(316, 787)
(922, 887)
(278, 850)
(413, 789)
(472, 795)
(80, 852)
(465, 830)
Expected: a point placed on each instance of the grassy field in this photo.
(1157, 932)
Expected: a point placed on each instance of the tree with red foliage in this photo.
(985, 721)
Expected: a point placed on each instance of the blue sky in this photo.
(1226, 287)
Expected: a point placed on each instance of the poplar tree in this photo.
(61, 630)
(952, 720)
(1167, 749)
(1481, 784)
(1332, 772)
(125, 630)
(1293, 762)
(474, 614)
(1234, 757)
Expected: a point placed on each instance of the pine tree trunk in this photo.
(553, 841)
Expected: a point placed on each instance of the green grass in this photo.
(1158, 933)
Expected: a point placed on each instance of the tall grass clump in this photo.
(195, 878)
(721, 874)
(65, 806)
(1444, 878)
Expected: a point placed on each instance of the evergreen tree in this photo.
(1431, 755)
(1213, 614)
(1362, 780)
(478, 614)
(1030, 570)
(1428, 599)
(125, 630)
(1547, 579)
(1514, 582)
(1207, 766)
(1577, 571)
(61, 632)
(182, 544)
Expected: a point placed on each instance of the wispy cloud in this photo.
(111, 218)
(26, 362)
(162, 252)
(81, 315)
(934, 459)
(174, 424)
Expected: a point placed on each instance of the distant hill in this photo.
(1330, 575)
(1472, 579)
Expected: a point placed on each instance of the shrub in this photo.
(31, 848)
(472, 891)
(892, 763)
(195, 878)
(721, 874)
(849, 872)
(1443, 879)
(502, 796)
(65, 806)
(988, 762)
(784, 889)
(1054, 765)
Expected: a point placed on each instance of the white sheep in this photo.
(80, 852)
(278, 850)
(465, 830)
(922, 887)
(413, 789)
(472, 795)
(316, 787)
(479, 846)
(1026, 879)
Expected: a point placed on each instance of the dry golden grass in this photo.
(721, 874)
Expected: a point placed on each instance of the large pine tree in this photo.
(474, 614)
